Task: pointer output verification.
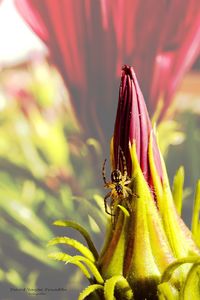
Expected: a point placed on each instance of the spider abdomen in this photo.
(119, 189)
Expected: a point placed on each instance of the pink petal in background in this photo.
(90, 40)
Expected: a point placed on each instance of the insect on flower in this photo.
(118, 185)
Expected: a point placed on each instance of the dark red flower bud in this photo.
(133, 125)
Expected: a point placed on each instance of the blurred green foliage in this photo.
(46, 172)
(187, 155)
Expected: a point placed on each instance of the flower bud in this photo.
(143, 242)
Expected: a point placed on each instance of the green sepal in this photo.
(120, 282)
(83, 232)
(112, 258)
(146, 222)
(73, 243)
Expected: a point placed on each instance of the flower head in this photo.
(149, 251)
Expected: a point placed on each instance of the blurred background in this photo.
(60, 64)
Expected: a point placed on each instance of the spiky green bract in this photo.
(178, 235)
(90, 290)
(172, 267)
(73, 243)
(167, 292)
(122, 287)
(82, 230)
(190, 288)
(77, 260)
(99, 287)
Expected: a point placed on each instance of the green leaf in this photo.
(175, 136)
(195, 217)
(99, 201)
(94, 226)
(178, 189)
(191, 288)
(32, 279)
(95, 144)
(24, 215)
(121, 283)
(73, 243)
(78, 259)
(89, 290)
(82, 230)
(94, 211)
(14, 278)
(35, 251)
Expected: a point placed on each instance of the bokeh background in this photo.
(60, 64)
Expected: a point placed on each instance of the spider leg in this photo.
(103, 172)
(129, 191)
(124, 164)
(135, 195)
(126, 182)
(128, 203)
(106, 206)
(113, 216)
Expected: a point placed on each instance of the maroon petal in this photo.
(177, 50)
(33, 17)
(89, 41)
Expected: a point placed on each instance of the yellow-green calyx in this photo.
(142, 245)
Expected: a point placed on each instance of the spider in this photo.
(118, 185)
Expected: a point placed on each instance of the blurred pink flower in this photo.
(89, 39)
